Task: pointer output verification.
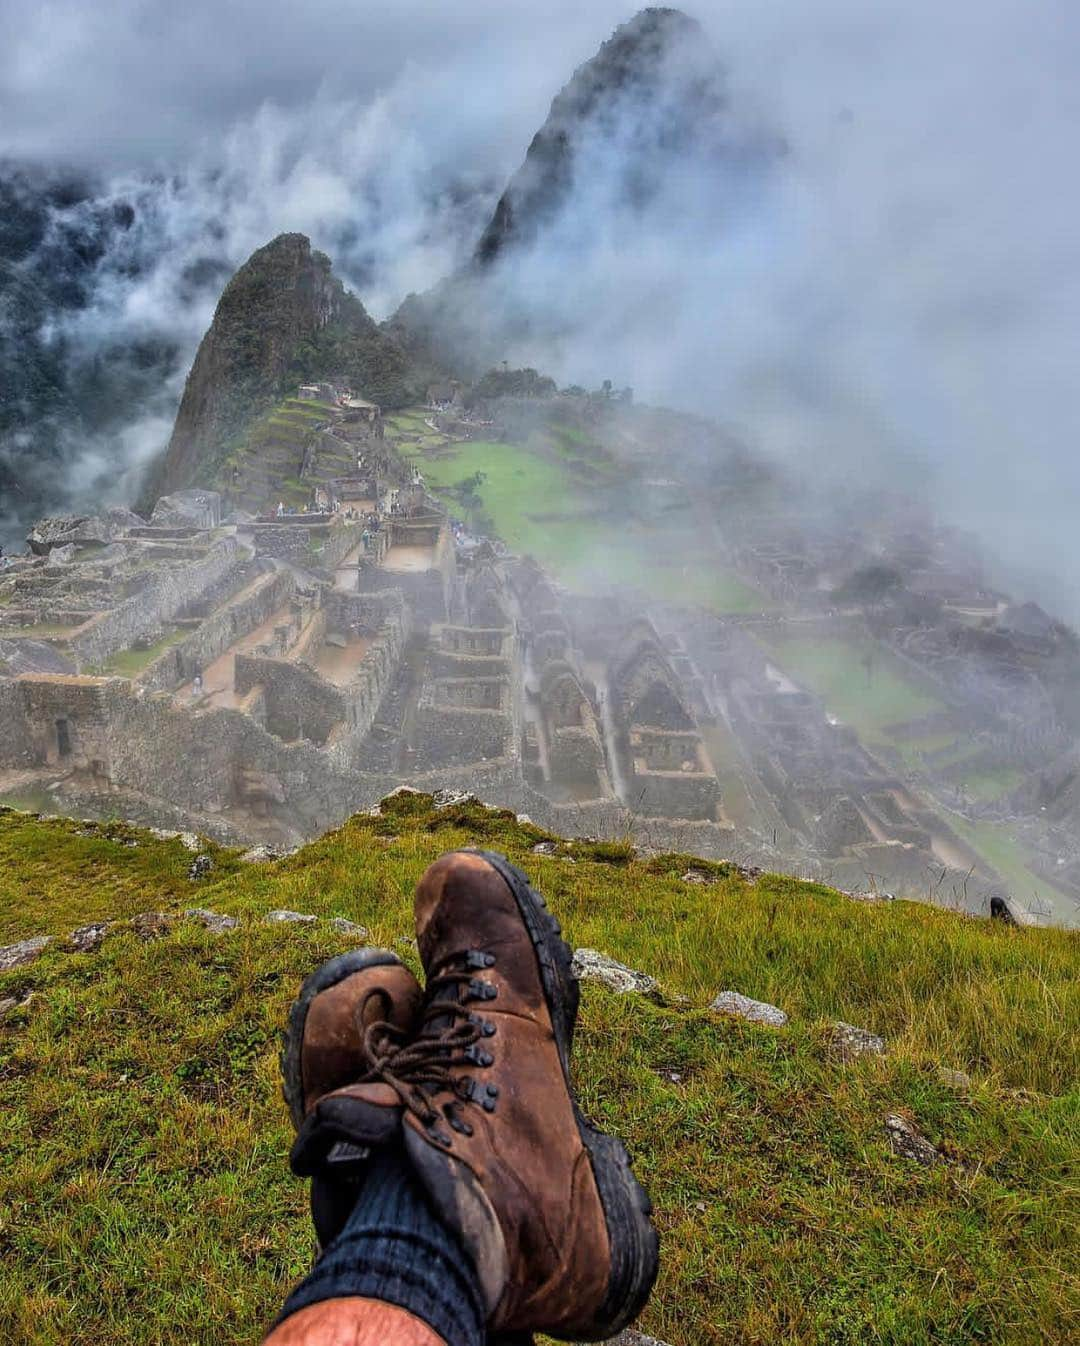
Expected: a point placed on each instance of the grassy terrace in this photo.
(130, 663)
(834, 668)
(144, 1194)
(544, 504)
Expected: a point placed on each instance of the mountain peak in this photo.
(283, 318)
(652, 86)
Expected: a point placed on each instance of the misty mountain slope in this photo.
(651, 87)
(642, 152)
(283, 318)
(61, 400)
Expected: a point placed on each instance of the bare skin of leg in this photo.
(353, 1322)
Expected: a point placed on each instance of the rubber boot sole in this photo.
(635, 1248)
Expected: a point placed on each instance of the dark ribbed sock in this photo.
(396, 1249)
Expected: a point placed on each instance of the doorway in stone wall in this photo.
(63, 738)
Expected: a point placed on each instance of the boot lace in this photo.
(447, 1041)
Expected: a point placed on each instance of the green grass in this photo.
(130, 663)
(540, 507)
(997, 845)
(991, 785)
(833, 669)
(144, 1193)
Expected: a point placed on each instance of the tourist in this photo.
(280, 508)
(484, 1206)
(197, 683)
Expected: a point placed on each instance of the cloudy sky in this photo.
(903, 302)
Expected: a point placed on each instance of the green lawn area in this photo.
(1000, 848)
(541, 508)
(145, 1197)
(991, 785)
(130, 663)
(834, 670)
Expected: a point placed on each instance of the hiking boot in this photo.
(547, 1207)
(350, 1009)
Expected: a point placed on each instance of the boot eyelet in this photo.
(481, 990)
(476, 959)
(492, 1090)
(478, 1056)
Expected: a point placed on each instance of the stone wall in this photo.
(337, 543)
(288, 542)
(575, 753)
(145, 615)
(61, 720)
(298, 703)
(448, 735)
(17, 747)
(218, 632)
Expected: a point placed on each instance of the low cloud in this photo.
(896, 298)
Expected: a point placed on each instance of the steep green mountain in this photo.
(812, 1184)
(282, 320)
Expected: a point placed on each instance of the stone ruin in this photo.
(259, 676)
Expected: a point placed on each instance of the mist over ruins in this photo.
(377, 555)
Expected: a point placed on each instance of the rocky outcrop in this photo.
(49, 534)
(742, 1007)
(589, 965)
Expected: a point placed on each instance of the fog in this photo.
(894, 298)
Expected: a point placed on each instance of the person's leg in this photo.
(393, 1249)
(353, 1322)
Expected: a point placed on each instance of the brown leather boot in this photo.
(354, 1005)
(548, 1207)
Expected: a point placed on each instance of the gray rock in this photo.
(346, 927)
(954, 1079)
(11, 1003)
(545, 848)
(88, 938)
(259, 855)
(189, 841)
(214, 921)
(590, 965)
(755, 1011)
(152, 924)
(909, 1143)
(194, 508)
(632, 1338)
(63, 555)
(282, 917)
(849, 1042)
(696, 876)
(445, 799)
(25, 951)
(200, 867)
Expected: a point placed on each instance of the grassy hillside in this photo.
(563, 501)
(144, 1196)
